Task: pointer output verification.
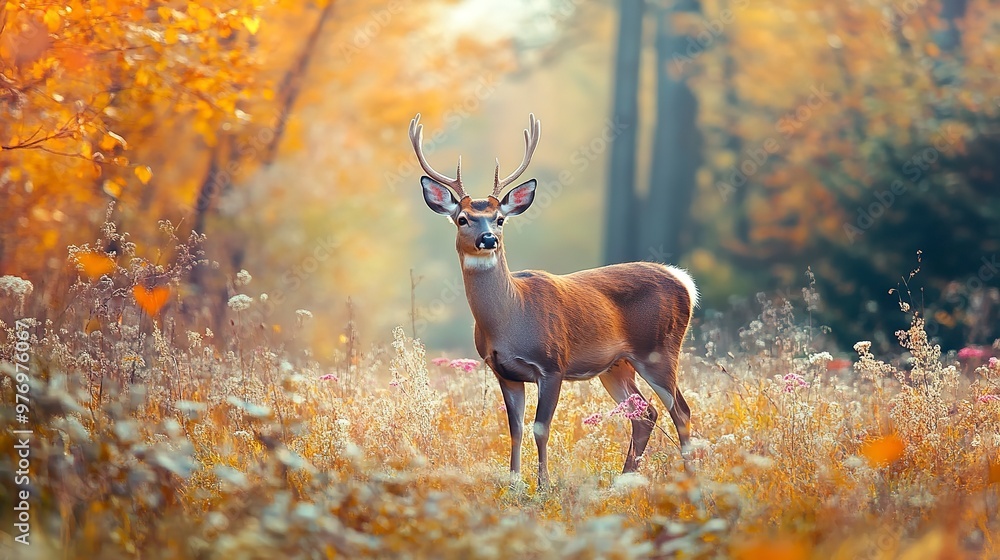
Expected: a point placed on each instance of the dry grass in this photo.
(158, 440)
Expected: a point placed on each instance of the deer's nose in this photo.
(487, 241)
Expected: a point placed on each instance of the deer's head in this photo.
(479, 222)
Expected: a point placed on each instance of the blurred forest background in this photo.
(746, 140)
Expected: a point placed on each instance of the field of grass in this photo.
(154, 438)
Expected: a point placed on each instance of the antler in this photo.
(417, 139)
(531, 136)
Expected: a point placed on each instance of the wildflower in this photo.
(726, 439)
(15, 286)
(394, 383)
(594, 419)
(240, 302)
(303, 314)
(440, 361)
(820, 358)
(794, 381)
(989, 398)
(263, 298)
(329, 377)
(994, 362)
(972, 353)
(464, 364)
(633, 408)
(243, 278)
(863, 347)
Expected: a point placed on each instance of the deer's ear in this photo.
(438, 197)
(518, 199)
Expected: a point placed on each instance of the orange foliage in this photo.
(884, 450)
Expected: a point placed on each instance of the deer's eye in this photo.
(500, 221)
(462, 221)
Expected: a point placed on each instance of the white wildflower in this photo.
(820, 358)
(303, 314)
(15, 286)
(263, 298)
(240, 302)
(863, 346)
(854, 462)
(243, 278)
(726, 439)
(628, 481)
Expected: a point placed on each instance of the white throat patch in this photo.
(479, 262)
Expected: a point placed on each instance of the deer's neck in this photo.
(490, 289)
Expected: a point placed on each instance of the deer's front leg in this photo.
(513, 399)
(548, 397)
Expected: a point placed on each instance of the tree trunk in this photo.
(676, 150)
(619, 232)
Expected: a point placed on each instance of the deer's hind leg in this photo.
(659, 369)
(620, 384)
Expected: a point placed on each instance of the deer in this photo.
(536, 327)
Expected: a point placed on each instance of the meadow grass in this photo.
(156, 438)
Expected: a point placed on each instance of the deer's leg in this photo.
(548, 397)
(513, 399)
(660, 371)
(620, 384)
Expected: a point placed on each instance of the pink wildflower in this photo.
(594, 419)
(989, 398)
(973, 353)
(994, 363)
(440, 361)
(394, 383)
(793, 381)
(329, 377)
(633, 408)
(464, 364)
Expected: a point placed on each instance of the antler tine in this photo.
(417, 139)
(531, 136)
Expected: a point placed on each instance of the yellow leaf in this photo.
(252, 24)
(994, 477)
(144, 173)
(170, 36)
(52, 20)
(164, 12)
(113, 188)
(884, 450)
